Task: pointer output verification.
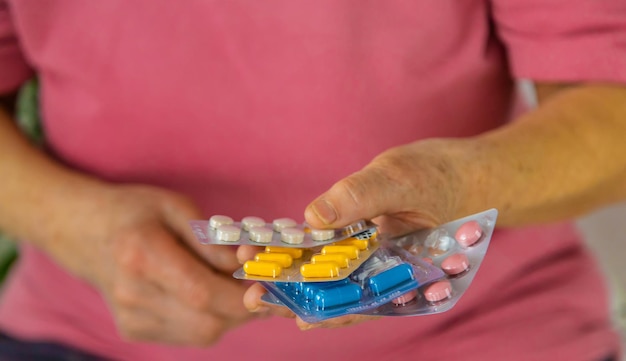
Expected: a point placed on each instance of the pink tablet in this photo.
(438, 291)
(455, 264)
(405, 298)
(468, 234)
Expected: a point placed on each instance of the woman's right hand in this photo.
(134, 244)
(131, 242)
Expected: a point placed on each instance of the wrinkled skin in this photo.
(401, 190)
(134, 244)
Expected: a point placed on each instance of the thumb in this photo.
(363, 195)
(178, 210)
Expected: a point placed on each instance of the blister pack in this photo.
(283, 232)
(381, 279)
(443, 262)
(458, 249)
(330, 262)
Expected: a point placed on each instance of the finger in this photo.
(137, 305)
(393, 226)
(221, 258)
(178, 211)
(146, 311)
(245, 253)
(192, 283)
(253, 302)
(194, 327)
(136, 293)
(139, 325)
(179, 326)
(342, 321)
(362, 195)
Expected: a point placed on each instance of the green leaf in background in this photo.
(8, 255)
(27, 111)
(28, 119)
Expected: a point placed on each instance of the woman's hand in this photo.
(134, 244)
(403, 189)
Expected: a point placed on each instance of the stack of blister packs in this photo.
(320, 274)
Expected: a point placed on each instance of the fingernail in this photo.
(260, 309)
(309, 326)
(325, 211)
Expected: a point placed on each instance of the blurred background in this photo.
(603, 233)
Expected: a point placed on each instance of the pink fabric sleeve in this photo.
(564, 40)
(13, 67)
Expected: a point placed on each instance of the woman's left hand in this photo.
(403, 189)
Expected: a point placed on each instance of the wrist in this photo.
(62, 201)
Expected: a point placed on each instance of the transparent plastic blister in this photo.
(283, 232)
(459, 260)
(384, 277)
(331, 262)
(444, 261)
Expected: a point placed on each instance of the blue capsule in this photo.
(327, 298)
(311, 289)
(391, 278)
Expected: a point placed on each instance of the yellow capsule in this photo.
(319, 270)
(295, 253)
(339, 258)
(283, 259)
(262, 268)
(350, 251)
(360, 244)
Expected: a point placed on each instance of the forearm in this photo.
(37, 194)
(559, 161)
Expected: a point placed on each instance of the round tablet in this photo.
(218, 220)
(455, 264)
(261, 234)
(228, 233)
(292, 235)
(438, 291)
(322, 234)
(282, 223)
(405, 298)
(249, 222)
(468, 234)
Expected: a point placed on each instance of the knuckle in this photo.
(197, 295)
(129, 251)
(124, 296)
(394, 168)
(210, 333)
(353, 187)
(366, 186)
(128, 327)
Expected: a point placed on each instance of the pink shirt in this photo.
(256, 107)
